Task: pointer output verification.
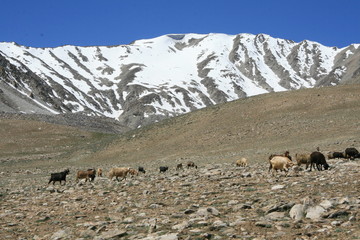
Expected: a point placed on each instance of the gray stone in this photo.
(297, 212)
(326, 204)
(263, 224)
(276, 187)
(275, 216)
(238, 221)
(181, 226)
(346, 224)
(233, 202)
(344, 200)
(121, 209)
(155, 205)
(244, 206)
(336, 223)
(352, 219)
(314, 212)
(189, 211)
(113, 234)
(62, 234)
(88, 233)
(281, 207)
(152, 225)
(206, 212)
(219, 224)
(171, 236)
(128, 220)
(246, 175)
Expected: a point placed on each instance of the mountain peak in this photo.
(153, 79)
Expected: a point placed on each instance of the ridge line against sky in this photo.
(44, 23)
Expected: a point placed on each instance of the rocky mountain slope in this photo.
(149, 80)
(215, 201)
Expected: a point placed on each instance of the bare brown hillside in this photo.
(253, 127)
(28, 143)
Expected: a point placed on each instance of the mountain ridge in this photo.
(152, 79)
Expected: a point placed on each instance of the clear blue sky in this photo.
(52, 23)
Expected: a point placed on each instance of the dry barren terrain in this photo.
(253, 127)
(215, 201)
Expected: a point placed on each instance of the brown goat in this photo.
(99, 172)
(179, 166)
(303, 158)
(88, 175)
(191, 164)
(133, 172)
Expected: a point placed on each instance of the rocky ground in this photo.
(215, 201)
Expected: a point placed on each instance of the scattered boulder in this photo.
(275, 216)
(314, 212)
(62, 234)
(206, 212)
(297, 212)
(326, 204)
(263, 224)
(114, 234)
(276, 187)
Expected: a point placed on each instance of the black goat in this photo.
(163, 169)
(59, 177)
(351, 153)
(179, 166)
(191, 164)
(338, 155)
(141, 169)
(318, 159)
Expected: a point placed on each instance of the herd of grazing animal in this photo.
(119, 173)
(316, 160)
(349, 153)
(282, 162)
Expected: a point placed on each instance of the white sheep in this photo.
(119, 172)
(280, 163)
(242, 162)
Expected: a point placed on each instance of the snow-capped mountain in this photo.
(152, 79)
